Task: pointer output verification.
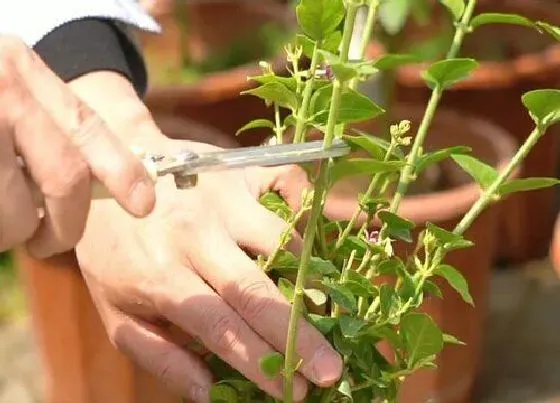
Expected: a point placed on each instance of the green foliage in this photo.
(351, 282)
(543, 106)
(445, 73)
(455, 7)
(481, 172)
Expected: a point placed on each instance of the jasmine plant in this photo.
(334, 282)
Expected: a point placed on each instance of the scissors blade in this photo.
(272, 155)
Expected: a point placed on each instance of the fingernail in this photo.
(327, 366)
(199, 394)
(142, 197)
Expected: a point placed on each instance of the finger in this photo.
(18, 212)
(62, 177)
(109, 159)
(178, 369)
(191, 304)
(290, 181)
(255, 297)
(259, 230)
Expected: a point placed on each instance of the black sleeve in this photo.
(92, 44)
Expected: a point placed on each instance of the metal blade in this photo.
(274, 155)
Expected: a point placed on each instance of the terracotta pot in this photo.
(214, 98)
(494, 92)
(555, 246)
(458, 366)
(79, 362)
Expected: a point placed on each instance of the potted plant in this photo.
(373, 280)
(207, 49)
(378, 264)
(517, 59)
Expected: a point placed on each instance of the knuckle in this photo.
(164, 366)
(252, 299)
(223, 333)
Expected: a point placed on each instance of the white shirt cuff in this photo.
(31, 20)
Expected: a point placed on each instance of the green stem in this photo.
(492, 190)
(371, 188)
(316, 210)
(366, 35)
(407, 174)
(343, 277)
(301, 118)
(278, 125)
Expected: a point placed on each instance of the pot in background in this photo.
(212, 99)
(494, 92)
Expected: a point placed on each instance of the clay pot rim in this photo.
(501, 74)
(228, 84)
(451, 203)
(215, 86)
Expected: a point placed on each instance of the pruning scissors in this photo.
(186, 165)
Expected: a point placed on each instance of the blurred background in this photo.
(198, 66)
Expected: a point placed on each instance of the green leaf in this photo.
(393, 15)
(449, 339)
(275, 203)
(527, 184)
(421, 336)
(500, 18)
(455, 280)
(356, 166)
(340, 295)
(455, 7)
(344, 71)
(481, 172)
(442, 236)
(359, 284)
(322, 267)
(398, 227)
(552, 30)
(288, 82)
(437, 156)
(372, 205)
(271, 364)
(353, 243)
(389, 301)
(287, 288)
(332, 41)
(322, 323)
(445, 73)
(393, 60)
(275, 92)
(318, 18)
(256, 124)
(392, 266)
(350, 326)
(345, 389)
(221, 393)
(543, 106)
(458, 244)
(354, 107)
(375, 146)
(316, 296)
(432, 288)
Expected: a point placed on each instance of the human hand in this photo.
(62, 143)
(184, 266)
